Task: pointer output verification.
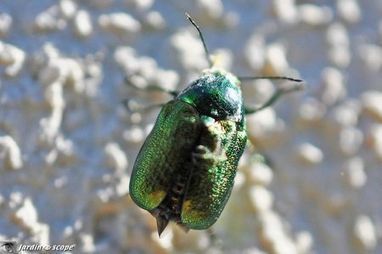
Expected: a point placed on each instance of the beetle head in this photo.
(216, 94)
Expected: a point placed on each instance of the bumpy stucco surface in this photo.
(67, 144)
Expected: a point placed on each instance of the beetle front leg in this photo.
(275, 96)
(203, 153)
(134, 107)
(212, 155)
(173, 93)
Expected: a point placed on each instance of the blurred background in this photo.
(67, 143)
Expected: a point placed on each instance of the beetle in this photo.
(185, 170)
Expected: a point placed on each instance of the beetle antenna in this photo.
(201, 38)
(271, 77)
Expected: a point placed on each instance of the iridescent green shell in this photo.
(163, 153)
(185, 169)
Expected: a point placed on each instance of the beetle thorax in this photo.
(216, 94)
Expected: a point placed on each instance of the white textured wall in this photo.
(67, 144)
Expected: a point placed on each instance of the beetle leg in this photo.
(275, 96)
(206, 154)
(202, 153)
(211, 148)
(214, 238)
(183, 227)
(173, 93)
(134, 107)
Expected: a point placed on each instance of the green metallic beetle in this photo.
(186, 167)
